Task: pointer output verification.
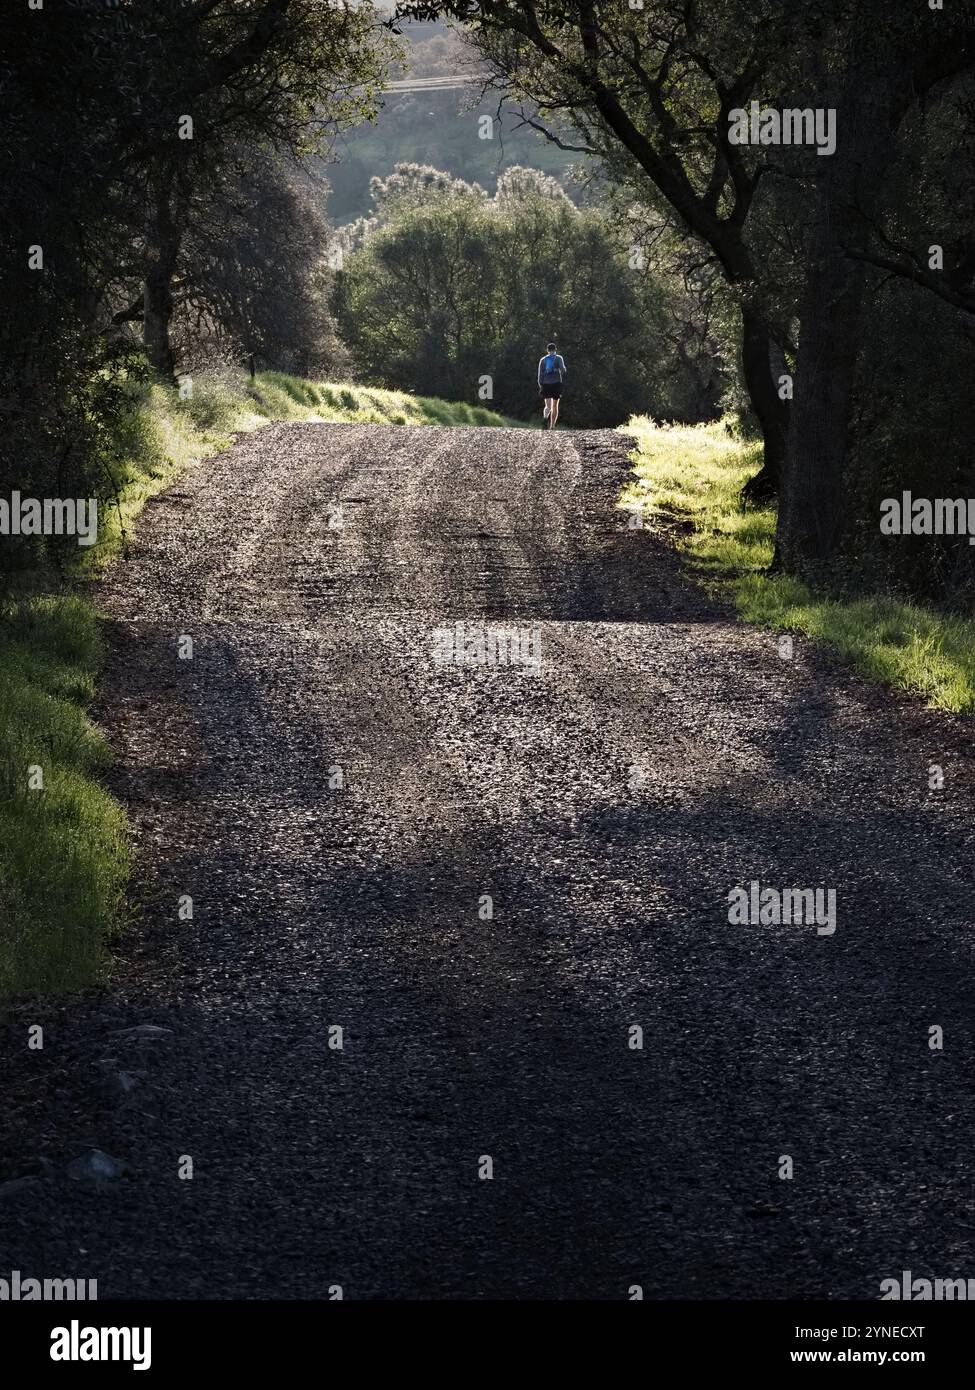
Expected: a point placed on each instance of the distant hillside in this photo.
(433, 128)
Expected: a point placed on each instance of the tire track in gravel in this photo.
(319, 905)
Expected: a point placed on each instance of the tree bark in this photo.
(758, 349)
(162, 254)
(873, 101)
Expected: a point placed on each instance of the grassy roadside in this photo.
(64, 856)
(696, 473)
(63, 851)
(162, 435)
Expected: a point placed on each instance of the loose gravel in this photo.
(487, 877)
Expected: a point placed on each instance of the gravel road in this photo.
(487, 876)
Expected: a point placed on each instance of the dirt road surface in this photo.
(340, 802)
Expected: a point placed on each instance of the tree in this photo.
(109, 218)
(653, 91)
(254, 278)
(652, 88)
(277, 74)
(66, 232)
(446, 293)
(890, 66)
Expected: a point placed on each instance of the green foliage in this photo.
(437, 128)
(450, 286)
(696, 475)
(432, 128)
(257, 280)
(92, 98)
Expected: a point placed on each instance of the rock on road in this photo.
(339, 805)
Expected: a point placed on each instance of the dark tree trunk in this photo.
(811, 511)
(758, 349)
(809, 525)
(162, 254)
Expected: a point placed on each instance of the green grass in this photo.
(161, 436)
(695, 474)
(63, 848)
(276, 396)
(64, 851)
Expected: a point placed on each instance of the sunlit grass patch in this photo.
(696, 474)
(63, 850)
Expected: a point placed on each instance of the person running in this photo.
(551, 374)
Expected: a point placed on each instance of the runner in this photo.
(551, 374)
